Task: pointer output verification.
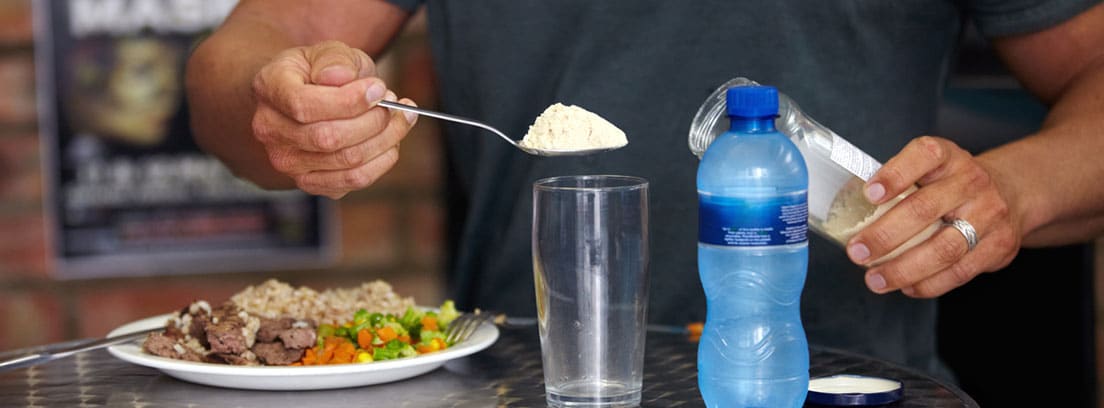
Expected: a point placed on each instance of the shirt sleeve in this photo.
(408, 5)
(997, 18)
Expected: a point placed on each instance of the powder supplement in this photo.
(851, 212)
(565, 128)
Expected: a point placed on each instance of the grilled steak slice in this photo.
(246, 358)
(227, 336)
(298, 338)
(271, 328)
(167, 346)
(276, 354)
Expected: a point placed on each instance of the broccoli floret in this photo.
(411, 319)
(394, 349)
(447, 314)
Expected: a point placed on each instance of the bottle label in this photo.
(753, 222)
(854, 160)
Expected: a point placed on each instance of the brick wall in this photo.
(392, 231)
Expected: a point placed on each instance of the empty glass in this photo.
(590, 265)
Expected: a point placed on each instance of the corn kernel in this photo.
(363, 357)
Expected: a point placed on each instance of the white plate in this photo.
(295, 378)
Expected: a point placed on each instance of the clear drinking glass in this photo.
(590, 265)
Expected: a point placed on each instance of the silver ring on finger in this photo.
(967, 232)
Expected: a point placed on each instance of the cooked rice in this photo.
(274, 299)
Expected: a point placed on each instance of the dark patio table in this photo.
(508, 374)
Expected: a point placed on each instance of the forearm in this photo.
(221, 104)
(1054, 177)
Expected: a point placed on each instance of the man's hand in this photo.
(953, 185)
(318, 120)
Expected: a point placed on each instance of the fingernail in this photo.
(411, 117)
(375, 92)
(390, 97)
(909, 291)
(875, 282)
(875, 192)
(858, 252)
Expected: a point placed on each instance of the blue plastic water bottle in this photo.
(752, 257)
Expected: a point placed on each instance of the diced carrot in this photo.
(347, 347)
(310, 358)
(386, 334)
(405, 338)
(327, 352)
(331, 341)
(364, 339)
(429, 323)
(441, 345)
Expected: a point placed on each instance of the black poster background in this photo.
(127, 190)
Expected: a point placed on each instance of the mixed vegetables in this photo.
(375, 337)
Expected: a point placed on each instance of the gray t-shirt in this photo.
(872, 70)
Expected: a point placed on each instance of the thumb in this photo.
(333, 63)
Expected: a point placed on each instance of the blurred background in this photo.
(395, 231)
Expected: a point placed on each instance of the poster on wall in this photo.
(128, 192)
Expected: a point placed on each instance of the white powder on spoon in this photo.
(566, 128)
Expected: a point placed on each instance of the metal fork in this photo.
(464, 326)
(47, 355)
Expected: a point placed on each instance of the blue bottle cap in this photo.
(755, 101)
(853, 390)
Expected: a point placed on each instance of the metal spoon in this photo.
(466, 121)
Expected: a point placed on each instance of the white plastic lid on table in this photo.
(853, 390)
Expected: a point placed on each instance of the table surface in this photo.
(508, 374)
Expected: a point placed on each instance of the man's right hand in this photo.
(318, 120)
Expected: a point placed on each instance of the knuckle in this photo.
(894, 177)
(282, 161)
(377, 120)
(259, 86)
(325, 136)
(1004, 243)
(351, 157)
(979, 179)
(262, 130)
(894, 276)
(948, 251)
(922, 206)
(879, 239)
(358, 178)
(932, 147)
(298, 108)
(925, 292)
(304, 183)
(999, 209)
(960, 273)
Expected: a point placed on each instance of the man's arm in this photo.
(222, 69)
(1059, 171)
(1044, 189)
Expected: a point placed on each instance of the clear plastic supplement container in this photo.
(837, 169)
